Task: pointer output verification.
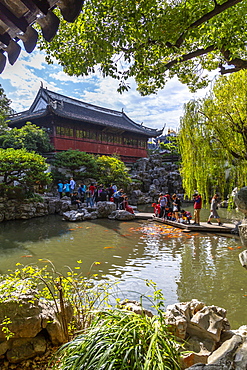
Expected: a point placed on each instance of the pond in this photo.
(185, 266)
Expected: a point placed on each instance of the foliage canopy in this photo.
(153, 41)
(213, 138)
(27, 168)
(74, 163)
(111, 170)
(4, 110)
(106, 170)
(29, 137)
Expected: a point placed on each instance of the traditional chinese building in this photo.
(73, 124)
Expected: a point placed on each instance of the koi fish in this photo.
(27, 256)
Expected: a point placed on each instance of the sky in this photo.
(22, 81)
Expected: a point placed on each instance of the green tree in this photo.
(29, 137)
(74, 163)
(5, 110)
(111, 170)
(172, 145)
(213, 138)
(153, 41)
(27, 168)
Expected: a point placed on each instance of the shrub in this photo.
(123, 340)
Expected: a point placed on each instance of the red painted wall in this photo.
(65, 143)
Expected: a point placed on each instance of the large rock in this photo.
(121, 215)
(240, 200)
(207, 322)
(25, 348)
(104, 209)
(31, 322)
(154, 176)
(225, 354)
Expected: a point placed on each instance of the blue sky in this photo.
(21, 82)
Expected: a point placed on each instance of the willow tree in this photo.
(213, 138)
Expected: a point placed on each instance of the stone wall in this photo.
(14, 210)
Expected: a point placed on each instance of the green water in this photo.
(184, 266)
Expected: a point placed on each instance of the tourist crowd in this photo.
(93, 193)
(169, 208)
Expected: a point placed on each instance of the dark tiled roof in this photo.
(63, 106)
(17, 18)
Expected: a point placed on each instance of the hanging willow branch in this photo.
(213, 138)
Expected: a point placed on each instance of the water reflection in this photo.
(184, 266)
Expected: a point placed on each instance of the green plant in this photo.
(153, 41)
(81, 293)
(5, 328)
(111, 170)
(121, 339)
(26, 168)
(74, 163)
(29, 137)
(33, 197)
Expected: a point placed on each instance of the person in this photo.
(93, 188)
(213, 210)
(75, 199)
(197, 208)
(186, 216)
(81, 191)
(104, 195)
(126, 206)
(168, 197)
(67, 188)
(89, 197)
(117, 196)
(97, 193)
(163, 203)
(60, 187)
(72, 185)
(176, 206)
(156, 208)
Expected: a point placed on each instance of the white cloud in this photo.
(21, 83)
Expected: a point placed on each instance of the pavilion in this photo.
(73, 124)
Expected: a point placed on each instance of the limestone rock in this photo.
(135, 306)
(240, 359)
(4, 346)
(193, 358)
(104, 209)
(243, 255)
(24, 348)
(224, 355)
(240, 200)
(206, 367)
(200, 345)
(176, 321)
(121, 215)
(208, 321)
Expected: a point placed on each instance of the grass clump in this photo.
(120, 340)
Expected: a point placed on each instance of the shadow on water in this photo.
(36, 229)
